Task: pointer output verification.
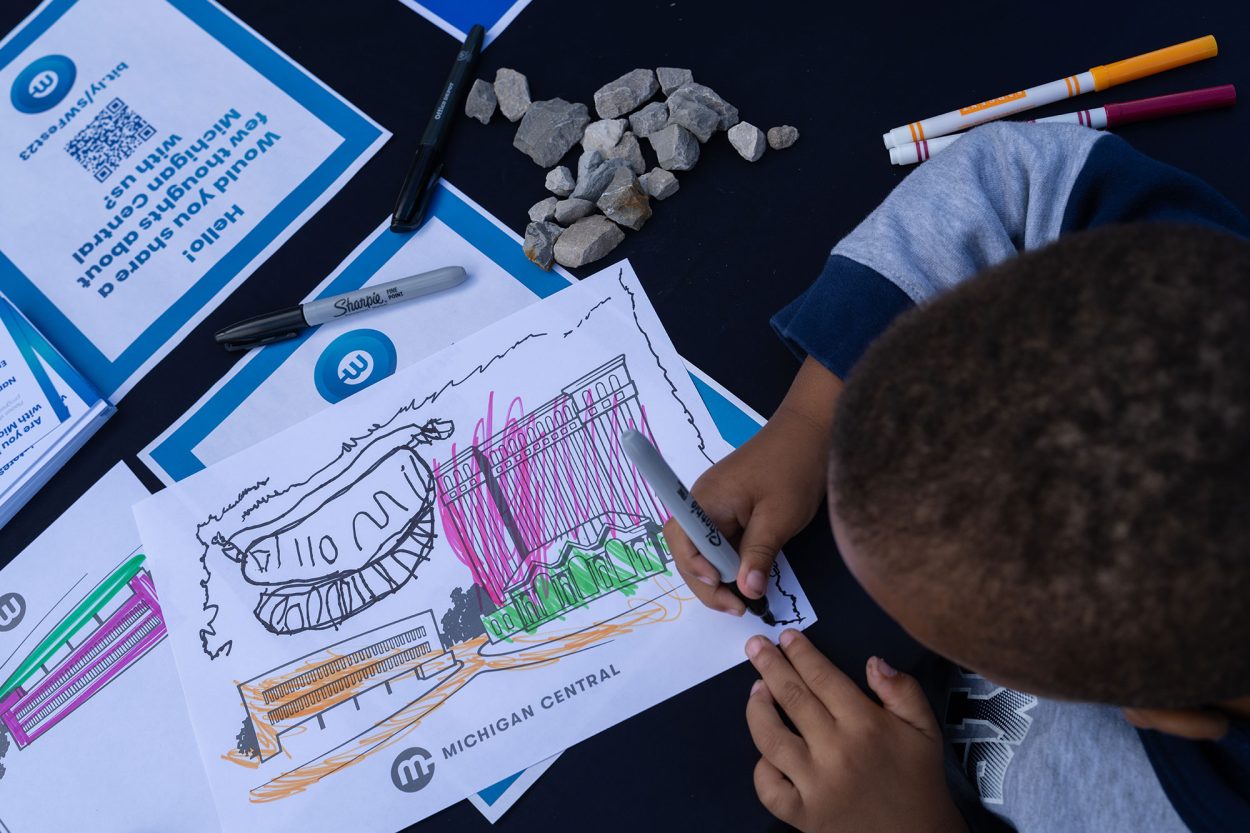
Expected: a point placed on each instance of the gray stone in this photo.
(659, 183)
(616, 98)
(560, 181)
(587, 240)
(671, 78)
(540, 242)
(543, 210)
(590, 180)
(699, 119)
(603, 135)
(708, 98)
(780, 138)
(748, 140)
(676, 148)
(480, 103)
(594, 173)
(624, 201)
(649, 119)
(573, 209)
(549, 129)
(628, 150)
(513, 92)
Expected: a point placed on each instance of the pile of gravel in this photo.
(612, 189)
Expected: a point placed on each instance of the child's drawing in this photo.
(104, 634)
(489, 561)
(342, 689)
(326, 549)
(548, 513)
(546, 516)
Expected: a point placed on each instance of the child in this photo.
(1041, 475)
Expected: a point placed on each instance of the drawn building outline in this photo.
(63, 673)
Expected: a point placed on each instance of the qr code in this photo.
(109, 139)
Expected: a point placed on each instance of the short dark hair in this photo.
(1054, 457)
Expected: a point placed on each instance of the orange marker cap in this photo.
(1170, 57)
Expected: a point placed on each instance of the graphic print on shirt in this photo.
(985, 723)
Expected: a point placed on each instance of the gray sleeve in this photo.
(999, 190)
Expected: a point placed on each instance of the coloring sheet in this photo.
(153, 154)
(94, 732)
(445, 578)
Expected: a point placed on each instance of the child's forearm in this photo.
(810, 402)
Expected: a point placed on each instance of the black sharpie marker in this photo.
(414, 194)
(289, 322)
(690, 516)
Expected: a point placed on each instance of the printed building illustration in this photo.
(548, 512)
(118, 622)
(336, 545)
(348, 687)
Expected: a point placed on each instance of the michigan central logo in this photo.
(43, 84)
(413, 770)
(353, 362)
(12, 610)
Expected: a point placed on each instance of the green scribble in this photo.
(580, 578)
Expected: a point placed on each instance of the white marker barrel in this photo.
(685, 510)
(995, 108)
(379, 295)
(913, 152)
(1095, 118)
(1097, 78)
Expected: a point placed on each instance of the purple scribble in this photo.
(556, 476)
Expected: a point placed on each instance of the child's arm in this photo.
(1002, 189)
(764, 492)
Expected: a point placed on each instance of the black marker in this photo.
(690, 516)
(414, 195)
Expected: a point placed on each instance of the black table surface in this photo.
(737, 242)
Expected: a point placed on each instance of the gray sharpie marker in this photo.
(289, 322)
(690, 516)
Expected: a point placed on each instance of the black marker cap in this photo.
(264, 329)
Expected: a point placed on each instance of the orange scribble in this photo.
(536, 650)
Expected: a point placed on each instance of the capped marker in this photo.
(689, 515)
(1095, 79)
(1111, 115)
(283, 324)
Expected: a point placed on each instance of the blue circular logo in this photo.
(43, 84)
(353, 362)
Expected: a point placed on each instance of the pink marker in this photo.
(1112, 115)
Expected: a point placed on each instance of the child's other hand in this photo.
(763, 493)
(854, 766)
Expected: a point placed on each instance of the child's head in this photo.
(1045, 474)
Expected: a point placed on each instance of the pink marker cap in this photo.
(1171, 105)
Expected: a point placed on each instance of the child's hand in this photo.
(854, 766)
(764, 492)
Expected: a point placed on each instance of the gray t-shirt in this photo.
(1046, 766)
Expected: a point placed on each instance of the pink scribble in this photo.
(557, 477)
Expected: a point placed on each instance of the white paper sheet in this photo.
(275, 387)
(118, 754)
(310, 581)
(154, 153)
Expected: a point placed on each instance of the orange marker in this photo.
(1098, 78)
